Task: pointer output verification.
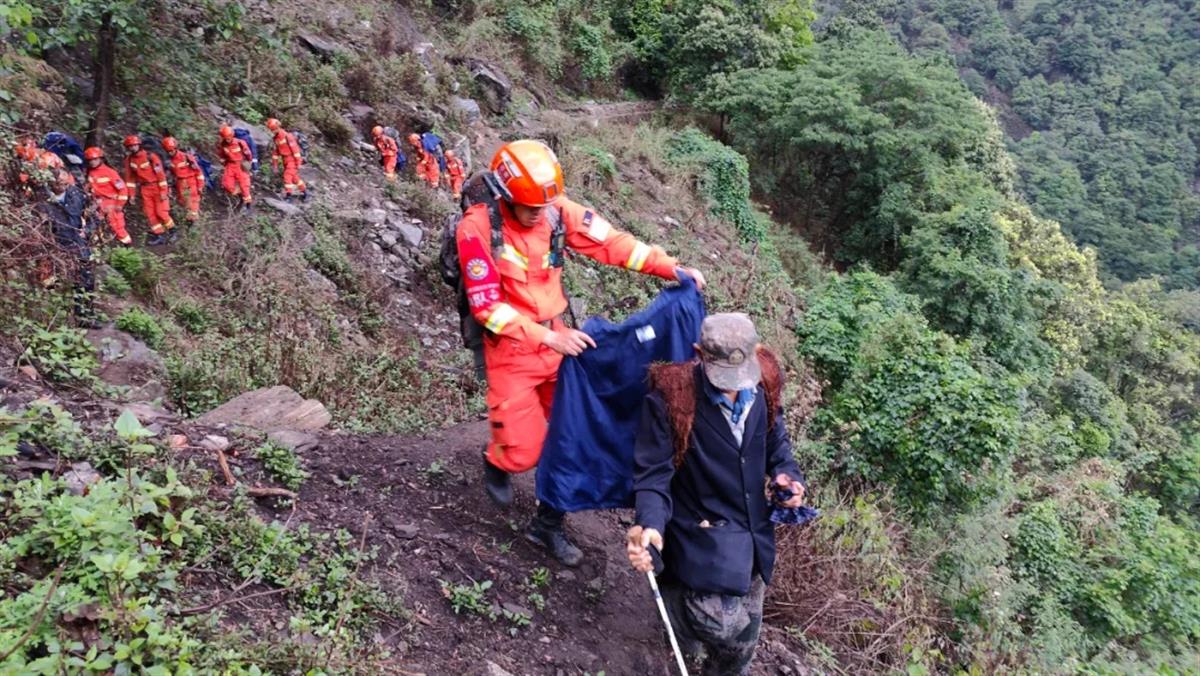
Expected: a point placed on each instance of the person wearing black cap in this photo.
(711, 437)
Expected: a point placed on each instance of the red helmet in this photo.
(226, 132)
(169, 144)
(414, 139)
(24, 151)
(377, 131)
(132, 140)
(93, 153)
(272, 124)
(449, 154)
(530, 172)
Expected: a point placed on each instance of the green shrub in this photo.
(910, 407)
(724, 179)
(115, 284)
(143, 325)
(63, 355)
(142, 270)
(331, 124)
(192, 316)
(282, 464)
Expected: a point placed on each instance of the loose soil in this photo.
(422, 505)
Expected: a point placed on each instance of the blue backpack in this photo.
(206, 169)
(62, 145)
(432, 143)
(244, 134)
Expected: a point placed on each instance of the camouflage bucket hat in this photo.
(728, 350)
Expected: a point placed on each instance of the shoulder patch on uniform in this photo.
(477, 269)
(597, 227)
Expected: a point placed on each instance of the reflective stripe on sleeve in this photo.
(637, 259)
(501, 315)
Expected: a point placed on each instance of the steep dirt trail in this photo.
(426, 512)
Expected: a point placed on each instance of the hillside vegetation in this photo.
(983, 286)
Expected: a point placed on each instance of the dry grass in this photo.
(849, 582)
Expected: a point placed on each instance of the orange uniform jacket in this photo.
(454, 168)
(145, 168)
(235, 152)
(185, 166)
(287, 148)
(386, 145)
(106, 185)
(512, 296)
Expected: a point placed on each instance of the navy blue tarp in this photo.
(587, 460)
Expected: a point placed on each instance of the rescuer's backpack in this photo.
(244, 134)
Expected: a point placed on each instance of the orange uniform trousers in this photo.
(427, 168)
(157, 207)
(235, 179)
(292, 183)
(113, 212)
(521, 381)
(188, 189)
(389, 166)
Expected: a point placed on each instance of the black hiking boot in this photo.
(156, 239)
(304, 196)
(497, 483)
(546, 530)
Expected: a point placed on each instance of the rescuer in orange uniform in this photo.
(518, 297)
(144, 171)
(388, 150)
(455, 173)
(109, 191)
(40, 161)
(286, 149)
(427, 164)
(189, 177)
(235, 159)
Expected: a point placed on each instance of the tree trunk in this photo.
(103, 76)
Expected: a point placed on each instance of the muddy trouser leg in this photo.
(85, 287)
(716, 632)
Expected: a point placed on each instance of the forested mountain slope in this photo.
(1003, 438)
(1099, 101)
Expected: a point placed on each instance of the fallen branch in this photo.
(37, 618)
(234, 599)
(224, 463)
(266, 492)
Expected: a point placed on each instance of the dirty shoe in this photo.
(546, 530)
(497, 483)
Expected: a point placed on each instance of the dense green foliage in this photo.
(989, 372)
(1103, 99)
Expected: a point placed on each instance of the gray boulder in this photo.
(285, 208)
(128, 362)
(365, 216)
(293, 440)
(496, 87)
(269, 409)
(326, 49)
(412, 234)
(467, 108)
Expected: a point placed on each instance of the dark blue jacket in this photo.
(67, 221)
(719, 482)
(587, 458)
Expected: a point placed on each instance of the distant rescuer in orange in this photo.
(235, 159)
(189, 177)
(144, 171)
(455, 173)
(518, 297)
(427, 164)
(286, 149)
(110, 192)
(388, 151)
